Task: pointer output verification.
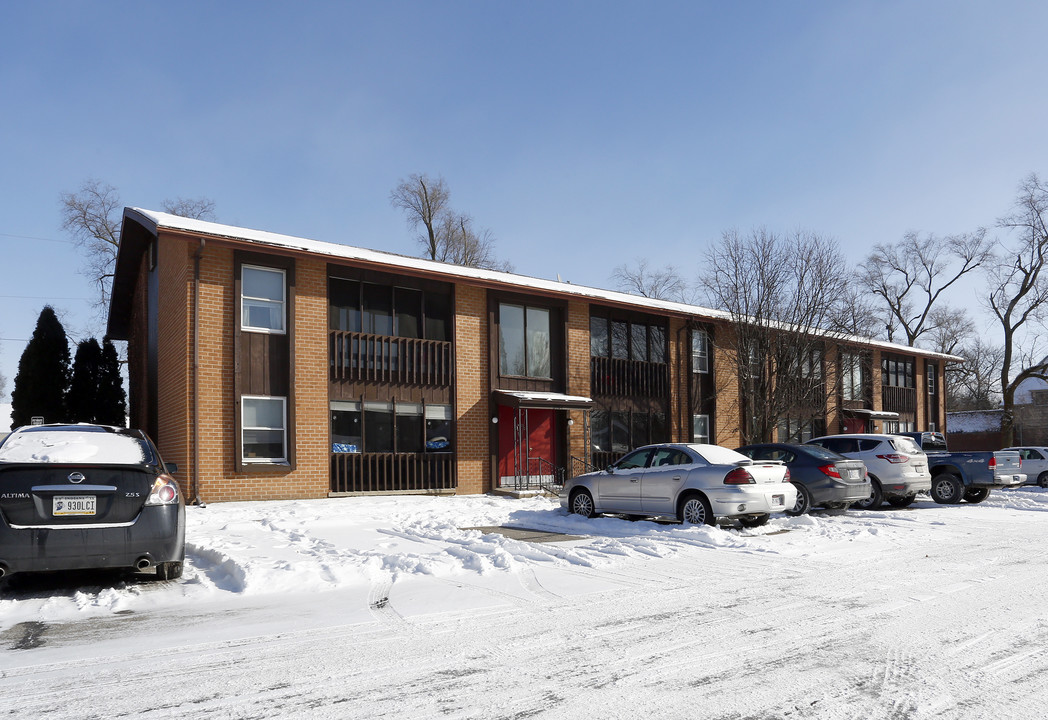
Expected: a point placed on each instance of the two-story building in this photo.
(269, 366)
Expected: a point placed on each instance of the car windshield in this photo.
(74, 446)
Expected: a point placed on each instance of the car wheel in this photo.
(873, 501)
(1042, 479)
(947, 489)
(901, 501)
(754, 521)
(696, 510)
(976, 495)
(803, 503)
(582, 504)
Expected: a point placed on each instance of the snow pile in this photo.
(63, 446)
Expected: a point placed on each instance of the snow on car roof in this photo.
(88, 445)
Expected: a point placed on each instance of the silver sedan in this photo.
(694, 483)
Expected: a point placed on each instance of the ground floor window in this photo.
(793, 430)
(620, 431)
(700, 429)
(898, 426)
(389, 427)
(264, 429)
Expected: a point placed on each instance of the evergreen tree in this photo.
(43, 374)
(112, 400)
(83, 399)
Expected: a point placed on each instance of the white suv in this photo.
(897, 466)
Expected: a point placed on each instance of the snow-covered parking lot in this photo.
(390, 606)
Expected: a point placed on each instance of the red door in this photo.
(853, 425)
(525, 435)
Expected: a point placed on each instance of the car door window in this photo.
(868, 445)
(666, 456)
(636, 459)
(1032, 454)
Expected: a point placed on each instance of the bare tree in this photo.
(93, 214)
(784, 294)
(909, 277)
(1018, 295)
(975, 384)
(444, 234)
(659, 284)
(201, 208)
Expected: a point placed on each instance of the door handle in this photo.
(633, 479)
(676, 478)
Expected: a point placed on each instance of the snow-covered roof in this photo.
(974, 421)
(160, 220)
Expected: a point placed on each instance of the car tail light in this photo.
(164, 492)
(786, 477)
(993, 463)
(739, 476)
(895, 457)
(831, 470)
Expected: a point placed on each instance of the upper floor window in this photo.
(853, 376)
(700, 351)
(262, 299)
(897, 372)
(933, 372)
(524, 341)
(623, 340)
(391, 311)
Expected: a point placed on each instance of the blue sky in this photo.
(583, 134)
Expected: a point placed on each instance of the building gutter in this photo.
(195, 479)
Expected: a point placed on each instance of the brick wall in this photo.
(472, 391)
(174, 355)
(726, 430)
(578, 352)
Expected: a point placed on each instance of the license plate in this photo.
(853, 474)
(73, 505)
(778, 499)
(918, 468)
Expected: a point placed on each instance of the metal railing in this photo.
(581, 466)
(381, 358)
(898, 399)
(628, 378)
(392, 472)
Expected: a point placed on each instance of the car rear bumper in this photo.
(157, 535)
(742, 500)
(906, 486)
(835, 493)
(1006, 481)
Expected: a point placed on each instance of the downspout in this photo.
(196, 374)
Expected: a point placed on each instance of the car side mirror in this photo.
(610, 469)
(171, 468)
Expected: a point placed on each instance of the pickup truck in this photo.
(970, 475)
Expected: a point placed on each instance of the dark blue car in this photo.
(76, 497)
(823, 477)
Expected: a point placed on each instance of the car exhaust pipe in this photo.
(3, 570)
(142, 563)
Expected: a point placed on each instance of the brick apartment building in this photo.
(269, 366)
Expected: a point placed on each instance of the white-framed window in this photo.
(933, 371)
(700, 351)
(262, 299)
(700, 429)
(263, 426)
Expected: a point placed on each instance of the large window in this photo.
(386, 427)
(793, 430)
(933, 373)
(622, 340)
(263, 427)
(262, 299)
(897, 372)
(524, 341)
(622, 430)
(391, 311)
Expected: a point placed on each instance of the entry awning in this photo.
(526, 399)
(872, 414)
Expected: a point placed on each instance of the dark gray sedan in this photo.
(75, 497)
(823, 477)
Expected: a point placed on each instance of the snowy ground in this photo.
(388, 607)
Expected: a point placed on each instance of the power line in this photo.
(30, 237)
